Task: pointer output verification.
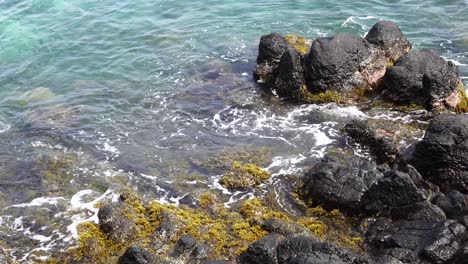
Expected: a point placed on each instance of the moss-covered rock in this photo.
(227, 232)
(244, 176)
(323, 97)
(462, 106)
(301, 44)
(223, 161)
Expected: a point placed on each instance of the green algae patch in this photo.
(399, 107)
(323, 97)
(462, 106)
(333, 226)
(224, 160)
(390, 63)
(228, 232)
(299, 43)
(254, 209)
(244, 176)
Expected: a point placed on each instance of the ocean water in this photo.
(97, 96)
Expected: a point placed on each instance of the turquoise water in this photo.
(139, 93)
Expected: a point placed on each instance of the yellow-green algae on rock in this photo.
(322, 97)
(227, 231)
(244, 176)
(299, 43)
(462, 106)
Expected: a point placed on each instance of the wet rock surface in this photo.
(441, 155)
(278, 226)
(424, 78)
(137, 255)
(309, 250)
(116, 221)
(417, 241)
(333, 61)
(388, 36)
(290, 80)
(262, 251)
(392, 194)
(349, 69)
(340, 181)
(270, 50)
(382, 148)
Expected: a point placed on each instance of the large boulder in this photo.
(290, 81)
(308, 250)
(423, 78)
(416, 241)
(334, 63)
(340, 181)
(398, 197)
(441, 156)
(387, 35)
(270, 50)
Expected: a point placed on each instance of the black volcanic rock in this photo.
(340, 181)
(398, 197)
(387, 35)
(262, 251)
(384, 150)
(441, 156)
(290, 78)
(270, 50)
(416, 241)
(137, 255)
(424, 78)
(333, 62)
(308, 250)
(454, 204)
(115, 221)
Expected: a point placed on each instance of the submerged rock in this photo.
(382, 148)
(423, 78)
(340, 181)
(388, 36)
(4, 257)
(441, 156)
(244, 176)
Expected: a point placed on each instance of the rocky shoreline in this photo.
(408, 203)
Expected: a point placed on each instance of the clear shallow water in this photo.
(105, 95)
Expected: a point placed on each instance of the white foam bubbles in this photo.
(78, 202)
(40, 202)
